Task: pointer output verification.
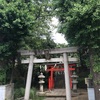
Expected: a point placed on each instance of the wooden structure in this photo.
(52, 68)
(64, 59)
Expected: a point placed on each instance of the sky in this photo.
(57, 37)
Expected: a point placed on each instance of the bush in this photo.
(19, 92)
(33, 95)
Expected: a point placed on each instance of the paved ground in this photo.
(54, 98)
(82, 97)
(59, 94)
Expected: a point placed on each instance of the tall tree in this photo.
(16, 22)
(80, 22)
(21, 23)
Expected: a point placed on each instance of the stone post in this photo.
(90, 88)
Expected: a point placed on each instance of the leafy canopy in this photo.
(80, 22)
(16, 22)
(24, 24)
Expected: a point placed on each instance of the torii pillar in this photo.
(67, 79)
(29, 78)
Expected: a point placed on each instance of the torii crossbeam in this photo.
(64, 59)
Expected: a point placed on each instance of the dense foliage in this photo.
(80, 22)
(24, 24)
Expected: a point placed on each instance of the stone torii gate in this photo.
(64, 59)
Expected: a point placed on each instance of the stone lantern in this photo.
(74, 82)
(41, 82)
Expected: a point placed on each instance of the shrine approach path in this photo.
(61, 95)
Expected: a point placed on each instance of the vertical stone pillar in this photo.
(29, 78)
(67, 80)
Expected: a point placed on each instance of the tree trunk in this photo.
(96, 77)
(12, 75)
(13, 66)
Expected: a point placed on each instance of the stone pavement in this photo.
(54, 98)
(59, 94)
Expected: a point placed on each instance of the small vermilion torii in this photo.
(51, 68)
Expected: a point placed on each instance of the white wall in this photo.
(6, 92)
(2, 92)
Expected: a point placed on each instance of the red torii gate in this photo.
(52, 69)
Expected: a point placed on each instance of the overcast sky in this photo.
(57, 37)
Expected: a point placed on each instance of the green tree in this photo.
(40, 36)
(16, 22)
(23, 25)
(80, 22)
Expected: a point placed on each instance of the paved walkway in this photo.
(55, 98)
(59, 94)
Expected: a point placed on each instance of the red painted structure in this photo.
(52, 69)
